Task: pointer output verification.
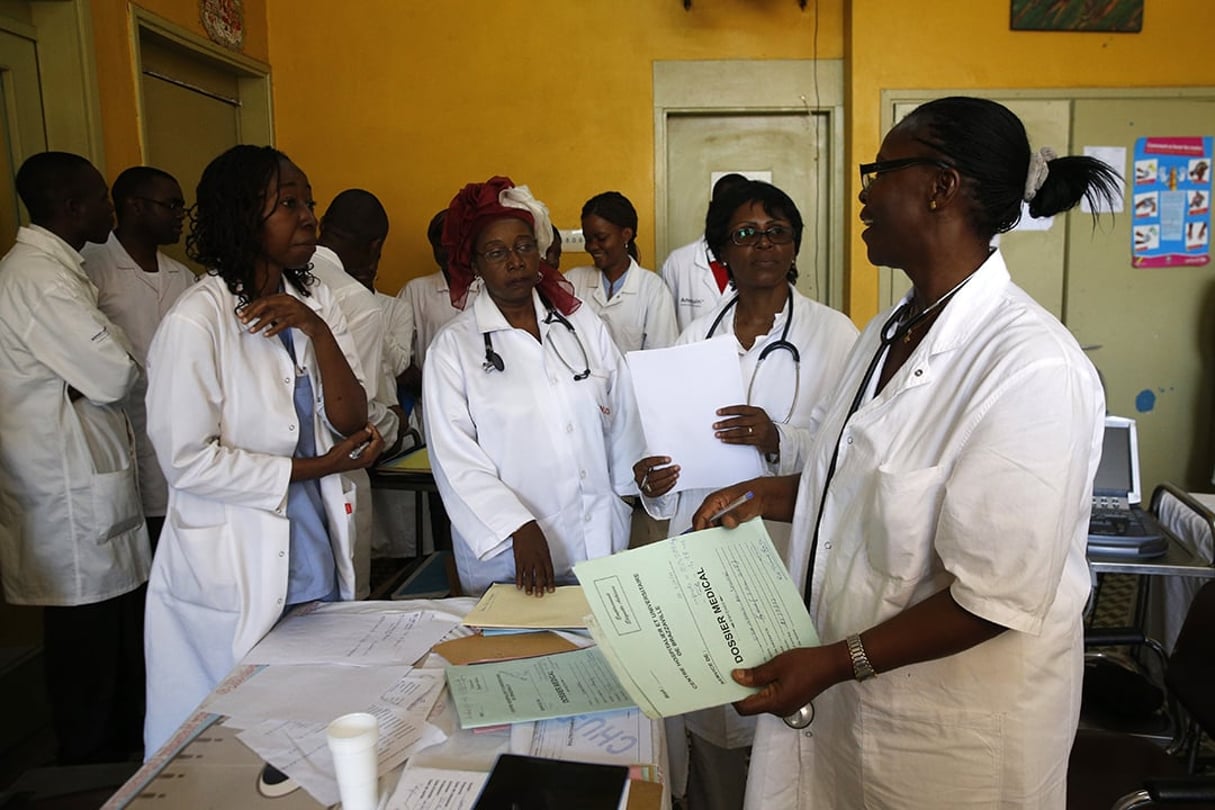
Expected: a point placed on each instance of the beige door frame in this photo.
(71, 102)
(722, 87)
(254, 114)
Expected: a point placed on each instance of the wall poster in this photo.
(1171, 203)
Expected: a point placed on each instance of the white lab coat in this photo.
(365, 322)
(71, 525)
(530, 442)
(690, 279)
(137, 301)
(222, 418)
(395, 511)
(972, 470)
(398, 333)
(641, 315)
(429, 300)
(823, 337)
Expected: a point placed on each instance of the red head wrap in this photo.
(476, 206)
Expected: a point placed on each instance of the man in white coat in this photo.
(136, 286)
(352, 234)
(72, 535)
(697, 280)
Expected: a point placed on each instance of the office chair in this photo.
(1124, 771)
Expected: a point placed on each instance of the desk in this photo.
(204, 765)
(1177, 561)
(411, 472)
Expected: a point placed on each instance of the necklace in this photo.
(904, 328)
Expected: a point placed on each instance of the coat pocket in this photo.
(902, 526)
(198, 565)
(115, 502)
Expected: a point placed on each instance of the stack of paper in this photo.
(505, 607)
(674, 618)
(546, 676)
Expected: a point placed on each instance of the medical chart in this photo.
(674, 618)
(561, 685)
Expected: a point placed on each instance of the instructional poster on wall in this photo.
(1172, 202)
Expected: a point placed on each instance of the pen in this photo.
(358, 451)
(732, 505)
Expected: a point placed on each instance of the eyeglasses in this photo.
(500, 254)
(176, 206)
(749, 235)
(871, 171)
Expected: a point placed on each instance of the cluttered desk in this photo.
(336, 660)
(463, 704)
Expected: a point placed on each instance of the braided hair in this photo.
(227, 219)
(616, 209)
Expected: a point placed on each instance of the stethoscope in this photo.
(494, 361)
(897, 327)
(783, 344)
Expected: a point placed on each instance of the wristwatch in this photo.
(862, 670)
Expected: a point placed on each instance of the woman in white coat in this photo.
(791, 353)
(634, 302)
(528, 404)
(254, 408)
(939, 527)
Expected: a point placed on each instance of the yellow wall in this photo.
(412, 100)
(967, 44)
(116, 77)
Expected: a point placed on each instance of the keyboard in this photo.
(1125, 533)
(1117, 523)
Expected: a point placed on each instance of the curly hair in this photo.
(226, 221)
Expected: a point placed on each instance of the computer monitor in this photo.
(1118, 472)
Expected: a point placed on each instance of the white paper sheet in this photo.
(436, 789)
(342, 633)
(612, 738)
(678, 392)
(311, 693)
(1115, 156)
(300, 750)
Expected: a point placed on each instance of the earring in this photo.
(932, 205)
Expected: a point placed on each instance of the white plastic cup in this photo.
(352, 741)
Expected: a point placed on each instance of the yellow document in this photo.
(504, 605)
(417, 461)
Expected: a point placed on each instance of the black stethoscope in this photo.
(494, 361)
(783, 344)
(894, 330)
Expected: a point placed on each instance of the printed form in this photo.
(674, 618)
